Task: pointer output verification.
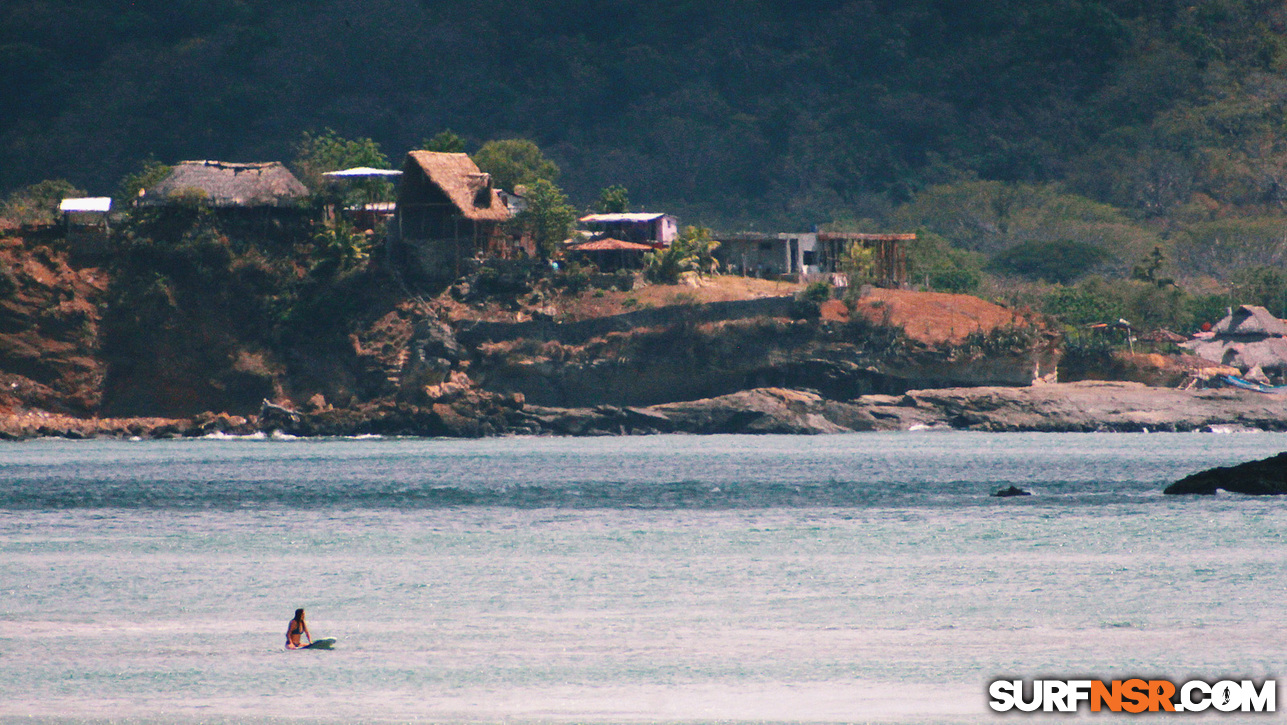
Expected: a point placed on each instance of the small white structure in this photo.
(87, 211)
(639, 227)
(93, 205)
(85, 219)
(516, 203)
(362, 172)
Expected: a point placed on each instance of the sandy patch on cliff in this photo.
(934, 317)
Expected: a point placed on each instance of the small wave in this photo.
(222, 436)
(1230, 429)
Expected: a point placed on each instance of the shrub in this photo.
(1080, 306)
(38, 203)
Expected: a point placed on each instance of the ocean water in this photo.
(854, 578)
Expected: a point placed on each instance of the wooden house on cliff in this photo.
(447, 212)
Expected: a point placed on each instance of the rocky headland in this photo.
(256, 341)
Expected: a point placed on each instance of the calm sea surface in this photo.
(864, 577)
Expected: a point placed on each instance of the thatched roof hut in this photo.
(1249, 337)
(1250, 321)
(459, 179)
(448, 211)
(225, 184)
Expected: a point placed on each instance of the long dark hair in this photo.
(299, 614)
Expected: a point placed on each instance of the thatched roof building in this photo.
(1248, 338)
(457, 178)
(225, 184)
(1250, 321)
(448, 211)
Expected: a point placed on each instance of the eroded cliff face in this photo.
(684, 361)
(215, 312)
(49, 328)
(194, 315)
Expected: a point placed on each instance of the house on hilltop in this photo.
(813, 255)
(657, 230)
(227, 185)
(769, 255)
(447, 212)
(1247, 338)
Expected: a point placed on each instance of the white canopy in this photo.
(361, 171)
(623, 217)
(88, 203)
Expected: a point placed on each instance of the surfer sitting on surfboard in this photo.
(297, 627)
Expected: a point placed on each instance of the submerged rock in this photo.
(1266, 477)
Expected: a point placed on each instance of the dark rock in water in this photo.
(1266, 477)
(1011, 491)
(275, 417)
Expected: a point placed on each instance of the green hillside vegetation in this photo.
(1043, 149)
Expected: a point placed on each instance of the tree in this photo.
(318, 153)
(548, 217)
(1062, 261)
(612, 200)
(858, 262)
(1149, 268)
(445, 141)
(38, 203)
(149, 174)
(515, 162)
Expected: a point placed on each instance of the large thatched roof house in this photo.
(224, 184)
(1248, 338)
(448, 211)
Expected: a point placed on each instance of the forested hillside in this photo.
(1025, 139)
(742, 112)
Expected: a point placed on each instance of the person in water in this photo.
(297, 627)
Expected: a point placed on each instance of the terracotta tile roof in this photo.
(607, 245)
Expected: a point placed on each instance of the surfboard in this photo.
(327, 643)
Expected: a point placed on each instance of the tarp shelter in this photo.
(86, 205)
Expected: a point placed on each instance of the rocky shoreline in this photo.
(1067, 407)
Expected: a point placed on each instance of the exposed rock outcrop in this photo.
(49, 330)
(1100, 406)
(764, 410)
